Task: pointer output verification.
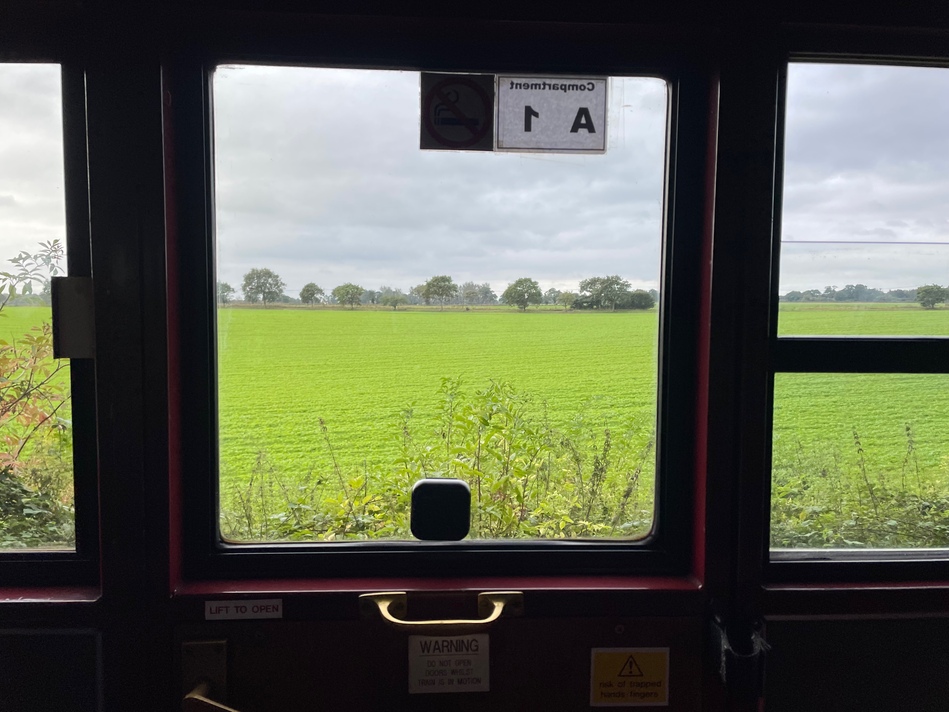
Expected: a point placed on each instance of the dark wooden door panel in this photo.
(534, 663)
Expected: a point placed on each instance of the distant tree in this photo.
(417, 294)
(523, 292)
(639, 299)
(792, 296)
(486, 295)
(614, 289)
(469, 293)
(439, 289)
(225, 293)
(602, 292)
(654, 294)
(900, 295)
(370, 296)
(566, 299)
(311, 293)
(348, 293)
(551, 296)
(590, 291)
(393, 299)
(262, 284)
(930, 295)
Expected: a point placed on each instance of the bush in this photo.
(527, 478)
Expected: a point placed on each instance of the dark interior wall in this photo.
(49, 671)
(870, 665)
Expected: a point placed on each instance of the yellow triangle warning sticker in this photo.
(629, 677)
(630, 668)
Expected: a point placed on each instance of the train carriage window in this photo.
(387, 314)
(36, 457)
(859, 454)
(865, 224)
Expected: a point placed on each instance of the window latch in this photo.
(739, 653)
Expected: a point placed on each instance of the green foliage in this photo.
(311, 293)
(225, 293)
(586, 374)
(36, 462)
(439, 289)
(31, 391)
(40, 268)
(930, 295)
(482, 294)
(348, 293)
(602, 292)
(262, 285)
(637, 299)
(33, 517)
(528, 479)
(393, 299)
(566, 299)
(822, 498)
(522, 292)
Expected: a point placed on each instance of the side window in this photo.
(36, 452)
(861, 389)
(387, 314)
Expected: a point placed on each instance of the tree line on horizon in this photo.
(928, 295)
(264, 286)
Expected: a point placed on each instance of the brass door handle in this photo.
(491, 605)
(195, 701)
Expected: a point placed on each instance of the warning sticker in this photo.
(629, 677)
(448, 664)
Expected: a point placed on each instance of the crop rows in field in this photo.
(282, 371)
(358, 370)
(321, 396)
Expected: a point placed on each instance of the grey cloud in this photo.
(322, 172)
(31, 157)
(867, 161)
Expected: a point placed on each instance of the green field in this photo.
(328, 415)
(375, 381)
(284, 370)
(859, 319)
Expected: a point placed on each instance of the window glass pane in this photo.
(362, 342)
(860, 460)
(865, 226)
(36, 480)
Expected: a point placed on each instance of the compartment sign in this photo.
(456, 663)
(555, 114)
(629, 677)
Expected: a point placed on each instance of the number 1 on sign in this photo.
(528, 113)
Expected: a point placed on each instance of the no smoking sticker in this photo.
(457, 112)
(629, 677)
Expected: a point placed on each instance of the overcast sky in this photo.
(320, 178)
(32, 209)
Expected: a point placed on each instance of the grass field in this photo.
(284, 370)
(324, 408)
(857, 319)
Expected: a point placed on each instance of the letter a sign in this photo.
(552, 114)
